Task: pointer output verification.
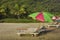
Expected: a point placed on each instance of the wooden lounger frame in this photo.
(33, 33)
(57, 26)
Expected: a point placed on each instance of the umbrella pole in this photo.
(39, 24)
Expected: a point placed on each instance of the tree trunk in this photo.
(18, 16)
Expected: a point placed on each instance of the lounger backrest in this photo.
(32, 29)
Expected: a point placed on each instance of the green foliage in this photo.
(22, 8)
(13, 20)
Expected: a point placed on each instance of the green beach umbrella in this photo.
(42, 16)
(33, 15)
(47, 16)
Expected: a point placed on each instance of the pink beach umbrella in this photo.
(40, 17)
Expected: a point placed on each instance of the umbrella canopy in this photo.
(33, 15)
(42, 16)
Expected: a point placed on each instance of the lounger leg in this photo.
(57, 26)
(33, 35)
(48, 26)
(20, 34)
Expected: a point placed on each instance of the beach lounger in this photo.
(28, 31)
(57, 26)
(32, 31)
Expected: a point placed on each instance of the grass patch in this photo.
(13, 20)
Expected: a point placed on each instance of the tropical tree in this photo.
(19, 10)
(2, 12)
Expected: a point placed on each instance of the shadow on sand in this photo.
(44, 32)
